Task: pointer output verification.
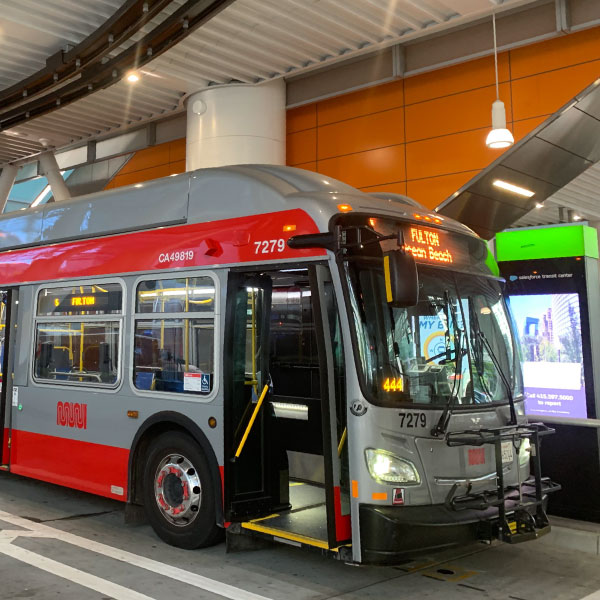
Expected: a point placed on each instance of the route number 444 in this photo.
(269, 246)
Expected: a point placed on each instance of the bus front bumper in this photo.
(392, 534)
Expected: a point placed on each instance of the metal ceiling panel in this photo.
(488, 217)
(249, 41)
(591, 105)
(576, 132)
(484, 186)
(545, 161)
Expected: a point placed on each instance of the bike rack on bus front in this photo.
(518, 501)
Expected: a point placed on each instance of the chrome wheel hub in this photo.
(177, 490)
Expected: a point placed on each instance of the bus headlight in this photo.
(524, 452)
(385, 467)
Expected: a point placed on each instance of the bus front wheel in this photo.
(179, 496)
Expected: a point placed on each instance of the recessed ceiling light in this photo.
(133, 77)
(515, 189)
(576, 218)
(539, 205)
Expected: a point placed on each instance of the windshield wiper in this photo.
(442, 424)
(503, 378)
(477, 346)
(395, 345)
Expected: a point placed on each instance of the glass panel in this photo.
(192, 294)
(77, 352)
(247, 342)
(254, 369)
(104, 299)
(174, 355)
(294, 359)
(25, 193)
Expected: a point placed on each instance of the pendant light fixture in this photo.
(499, 136)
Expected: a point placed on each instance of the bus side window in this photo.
(72, 344)
(174, 335)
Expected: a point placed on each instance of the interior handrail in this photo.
(251, 422)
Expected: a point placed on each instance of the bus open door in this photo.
(284, 475)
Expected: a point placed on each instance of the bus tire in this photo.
(178, 492)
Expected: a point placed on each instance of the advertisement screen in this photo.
(549, 328)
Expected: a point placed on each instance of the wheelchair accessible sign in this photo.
(196, 382)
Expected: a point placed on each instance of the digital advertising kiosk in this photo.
(553, 285)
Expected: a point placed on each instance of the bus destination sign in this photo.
(61, 301)
(428, 245)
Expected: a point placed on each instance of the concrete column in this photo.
(236, 124)
(7, 179)
(49, 168)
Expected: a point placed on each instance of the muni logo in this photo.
(71, 414)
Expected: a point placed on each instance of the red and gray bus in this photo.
(268, 352)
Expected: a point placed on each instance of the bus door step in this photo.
(264, 527)
(256, 534)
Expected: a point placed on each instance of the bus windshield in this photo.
(455, 347)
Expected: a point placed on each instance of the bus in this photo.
(267, 352)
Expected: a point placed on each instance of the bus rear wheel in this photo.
(179, 495)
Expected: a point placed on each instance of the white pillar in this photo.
(236, 124)
(49, 168)
(7, 178)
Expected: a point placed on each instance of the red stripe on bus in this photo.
(5, 447)
(243, 239)
(222, 472)
(343, 525)
(75, 464)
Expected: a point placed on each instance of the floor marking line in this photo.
(8, 535)
(118, 592)
(199, 581)
(8, 539)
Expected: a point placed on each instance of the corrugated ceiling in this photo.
(581, 197)
(250, 41)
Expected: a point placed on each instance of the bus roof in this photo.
(201, 196)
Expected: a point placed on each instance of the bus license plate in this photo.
(507, 452)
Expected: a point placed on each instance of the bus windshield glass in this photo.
(454, 348)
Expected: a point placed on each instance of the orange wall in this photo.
(151, 163)
(425, 135)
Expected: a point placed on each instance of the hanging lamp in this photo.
(499, 136)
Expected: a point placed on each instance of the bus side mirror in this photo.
(401, 279)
